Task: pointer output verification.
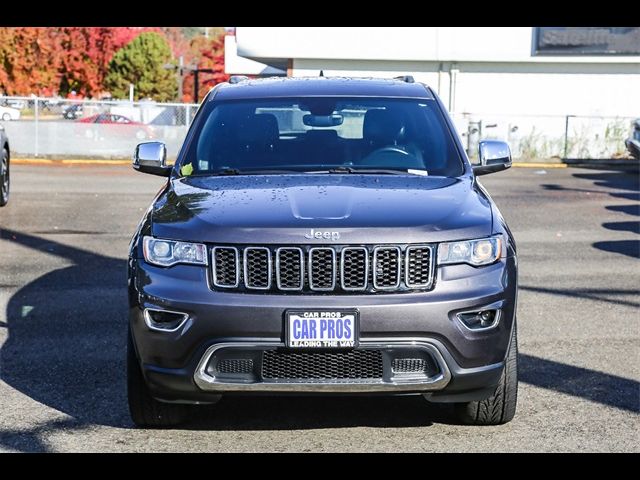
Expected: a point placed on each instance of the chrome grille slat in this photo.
(386, 267)
(290, 268)
(322, 269)
(419, 265)
(257, 268)
(226, 267)
(354, 268)
(337, 268)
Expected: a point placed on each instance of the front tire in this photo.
(501, 406)
(6, 117)
(145, 410)
(4, 177)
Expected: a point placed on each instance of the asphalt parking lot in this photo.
(63, 248)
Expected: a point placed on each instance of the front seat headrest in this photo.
(259, 131)
(382, 127)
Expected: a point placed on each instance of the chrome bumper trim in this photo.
(209, 383)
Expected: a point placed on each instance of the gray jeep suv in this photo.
(322, 236)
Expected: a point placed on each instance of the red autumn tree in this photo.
(59, 60)
(48, 61)
(205, 53)
(86, 53)
(178, 42)
(29, 61)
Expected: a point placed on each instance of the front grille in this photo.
(257, 268)
(386, 267)
(343, 268)
(322, 269)
(348, 365)
(354, 268)
(418, 266)
(290, 268)
(226, 268)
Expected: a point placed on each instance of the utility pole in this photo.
(180, 71)
(180, 77)
(196, 81)
(196, 85)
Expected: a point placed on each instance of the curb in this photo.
(538, 165)
(48, 161)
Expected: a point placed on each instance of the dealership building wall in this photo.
(489, 75)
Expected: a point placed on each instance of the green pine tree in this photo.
(141, 62)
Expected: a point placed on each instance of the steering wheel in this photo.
(383, 150)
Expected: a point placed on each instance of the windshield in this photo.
(320, 134)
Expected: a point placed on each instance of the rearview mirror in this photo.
(494, 156)
(151, 157)
(322, 120)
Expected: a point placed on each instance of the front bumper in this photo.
(448, 382)
(434, 378)
(176, 364)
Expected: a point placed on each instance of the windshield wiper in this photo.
(277, 171)
(368, 171)
(250, 171)
(341, 170)
(227, 171)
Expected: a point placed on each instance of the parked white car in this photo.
(7, 114)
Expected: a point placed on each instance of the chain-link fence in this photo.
(53, 127)
(548, 136)
(62, 128)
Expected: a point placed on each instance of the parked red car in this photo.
(113, 125)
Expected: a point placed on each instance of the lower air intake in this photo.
(235, 365)
(351, 365)
(413, 366)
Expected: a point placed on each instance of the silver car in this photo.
(4, 167)
(633, 142)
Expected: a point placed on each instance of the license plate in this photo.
(321, 328)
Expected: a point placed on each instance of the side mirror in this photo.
(151, 157)
(494, 157)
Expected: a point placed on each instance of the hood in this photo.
(284, 208)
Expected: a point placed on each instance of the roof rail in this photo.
(237, 78)
(405, 78)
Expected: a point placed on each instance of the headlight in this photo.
(482, 251)
(168, 252)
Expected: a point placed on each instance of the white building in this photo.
(520, 82)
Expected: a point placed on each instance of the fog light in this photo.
(480, 320)
(164, 320)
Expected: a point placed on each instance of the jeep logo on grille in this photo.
(333, 236)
